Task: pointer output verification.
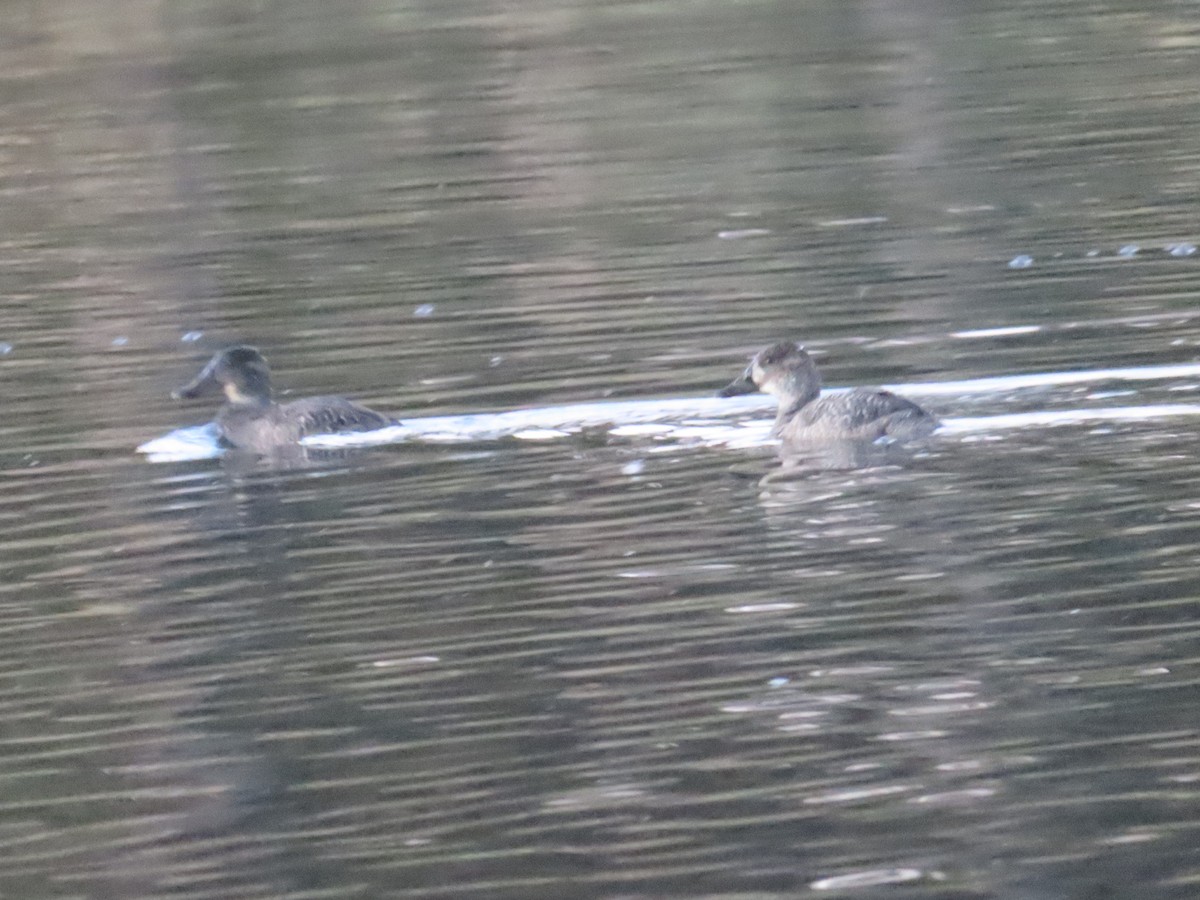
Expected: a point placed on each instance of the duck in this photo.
(252, 420)
(786, 371)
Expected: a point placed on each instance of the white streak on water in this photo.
(969, 424)
(1046, 379)
(183, 444)
(706, 420)
(1004, 331)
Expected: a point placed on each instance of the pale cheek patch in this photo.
(233, 395)
(765, 384)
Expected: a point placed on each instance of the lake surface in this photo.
(627, 660)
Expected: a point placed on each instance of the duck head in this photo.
(240, 373)
(783, 370)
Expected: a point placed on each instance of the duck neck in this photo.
(799, 389)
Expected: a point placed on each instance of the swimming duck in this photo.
(786, 371)
(252, 420)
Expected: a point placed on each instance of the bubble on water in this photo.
(190, 337)
(424, 311)
(1129, 251)
(1181, 249)
(778, 682)
(1020, 262)
(737, 234)
(120, 341)
(1092, 254)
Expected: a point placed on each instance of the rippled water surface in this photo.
(621, 659)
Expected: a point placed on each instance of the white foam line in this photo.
(968, 424)
(540, 422)
(1002, 331)
(183, 445)
(759, 433)
(200, 442)
(1046, 379)
(485, 426)
(451, 429)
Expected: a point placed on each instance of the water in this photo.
(706, 419)
(633, 658)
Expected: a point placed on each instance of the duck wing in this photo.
(331, 415)
(868, 413)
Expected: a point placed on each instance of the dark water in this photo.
(597, 667)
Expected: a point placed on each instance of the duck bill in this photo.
(743, 384)
(204, 383)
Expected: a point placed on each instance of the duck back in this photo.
(266, 428)
(331, 415)
(866, 414)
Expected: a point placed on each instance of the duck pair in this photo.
(252, 420)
